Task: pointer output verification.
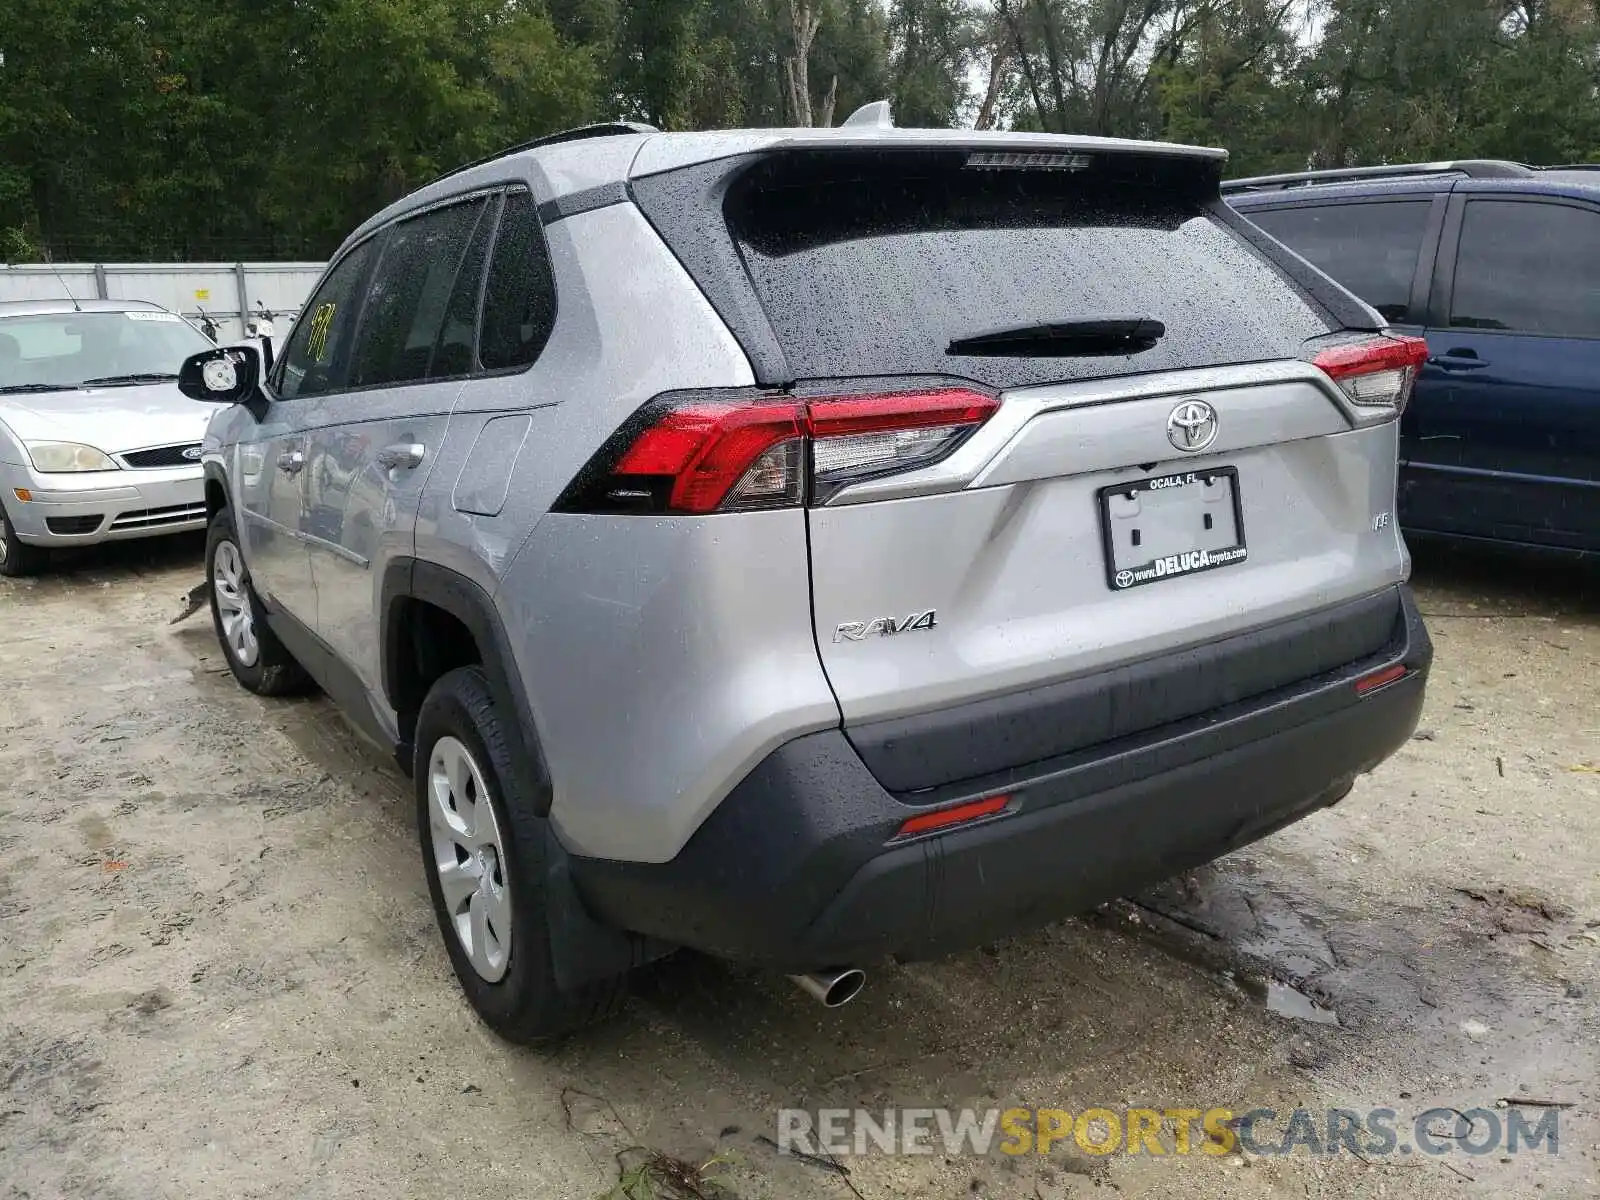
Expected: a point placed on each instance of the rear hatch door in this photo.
(1164, 469)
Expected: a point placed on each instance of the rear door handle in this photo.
(402, 454)
(291, 461)
(1458, 360)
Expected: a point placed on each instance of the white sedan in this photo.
(96, 441)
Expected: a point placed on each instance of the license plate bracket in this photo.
(1169, 526)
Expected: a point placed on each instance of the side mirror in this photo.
(228, 375)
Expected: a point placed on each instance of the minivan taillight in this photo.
(1375, 372)
(705, 452)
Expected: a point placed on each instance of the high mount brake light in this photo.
(1376, 372)
(705, 454)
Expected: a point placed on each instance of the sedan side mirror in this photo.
(227, 375)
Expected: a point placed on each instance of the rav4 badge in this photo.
(860, 631)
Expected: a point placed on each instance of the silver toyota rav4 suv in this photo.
(812, 545)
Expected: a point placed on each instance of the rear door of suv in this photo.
(375, 442)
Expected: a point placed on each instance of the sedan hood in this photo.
(112, 419)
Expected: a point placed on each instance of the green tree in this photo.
(933, 46)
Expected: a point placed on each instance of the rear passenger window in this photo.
(1370, 248)
(519, 300)
(405, 321)
(456, 351)
(1530, 267)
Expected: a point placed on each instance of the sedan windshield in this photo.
(63, 350)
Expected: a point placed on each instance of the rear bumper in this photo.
(99, 506)
(800, 867)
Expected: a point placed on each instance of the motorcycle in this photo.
(209, 326)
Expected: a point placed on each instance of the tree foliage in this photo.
(135, 129)
(1288, 84)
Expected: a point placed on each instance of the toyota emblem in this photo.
(1192, 426)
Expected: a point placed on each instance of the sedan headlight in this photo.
(53, 457)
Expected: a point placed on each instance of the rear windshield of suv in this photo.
(874, 264)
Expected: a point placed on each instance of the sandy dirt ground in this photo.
(220, 975)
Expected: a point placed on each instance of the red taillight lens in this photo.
(843, 416)
(707, 449)
(705, 454)
(1376, 372)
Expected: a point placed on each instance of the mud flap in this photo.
(191, 602)
(582, 949)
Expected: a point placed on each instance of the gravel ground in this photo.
(219, 973)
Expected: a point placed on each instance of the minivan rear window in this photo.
(875, 264)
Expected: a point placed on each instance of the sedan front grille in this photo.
(156, 518)
(183, 455)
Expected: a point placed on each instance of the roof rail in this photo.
(604, 129)
(1472, 168)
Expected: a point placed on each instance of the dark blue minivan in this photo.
(1498, 265)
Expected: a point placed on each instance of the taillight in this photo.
(703, 453)
(707, 451)
(1375, 372)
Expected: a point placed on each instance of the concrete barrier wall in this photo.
(227, 291)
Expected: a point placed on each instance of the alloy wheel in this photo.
(233, 604)
(469, 856)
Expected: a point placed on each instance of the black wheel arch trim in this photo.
(582, 948)
(407, 580)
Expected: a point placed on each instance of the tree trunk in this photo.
(1052, 52)
(826, 118)
(1027, 66)
(796, 70)
(991, 94)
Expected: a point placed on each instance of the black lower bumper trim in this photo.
(930, 750)
(797, 868)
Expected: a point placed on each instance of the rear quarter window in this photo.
(874, 265)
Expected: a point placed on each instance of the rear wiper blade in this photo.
(1065, 339)
(37, 387)
(148, 377)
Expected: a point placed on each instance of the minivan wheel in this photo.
(485, 852)
(256, 657)
(17, 557)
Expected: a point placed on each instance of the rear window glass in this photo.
(1371, 248)
(873, 267)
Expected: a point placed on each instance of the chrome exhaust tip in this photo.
(833, 989)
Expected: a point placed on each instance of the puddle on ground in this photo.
(1287, 1002)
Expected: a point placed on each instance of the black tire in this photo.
(526, 1004)
(17, 557)
(274, 671)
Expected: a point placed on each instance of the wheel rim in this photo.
(233, 604)
(5, 539)
(469, 857)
